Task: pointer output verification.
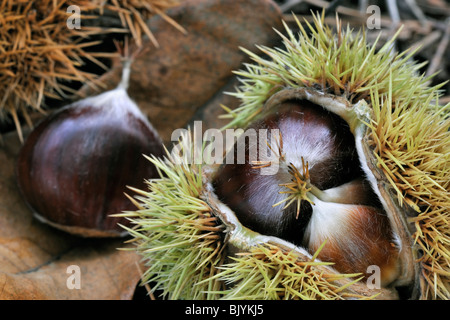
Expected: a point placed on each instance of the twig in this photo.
(435, 62)
(395, 20)
(417, 12)
(332, 8)
(444, 100)
(146, 285)
(289, 5)
(354, 13)
(363, 4)
(393, 13)
(427, 40)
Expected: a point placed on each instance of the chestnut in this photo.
(354, 237)
(308, 135)
(337, 213)
(76, 164)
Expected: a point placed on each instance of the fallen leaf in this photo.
(34, 258)
(172, 83)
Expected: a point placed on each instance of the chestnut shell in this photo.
(76, 165)
(334, 157)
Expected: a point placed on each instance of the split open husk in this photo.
(195, 247)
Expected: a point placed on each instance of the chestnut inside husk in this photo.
(307, 131)
(317, 148)
(189, 226)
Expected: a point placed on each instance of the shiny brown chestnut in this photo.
(76, 164)
(308, 135)
(354, 237)
(337, 217)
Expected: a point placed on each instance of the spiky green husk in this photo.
(409, 132)
(412, 145)
(184, 243)
(270, 273)
(178, 237)
(343, 65)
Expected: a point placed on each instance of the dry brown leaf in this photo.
(34, 257)
(172, 83)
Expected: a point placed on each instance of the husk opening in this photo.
(382, 97)
(408, 134)
(187, 259)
